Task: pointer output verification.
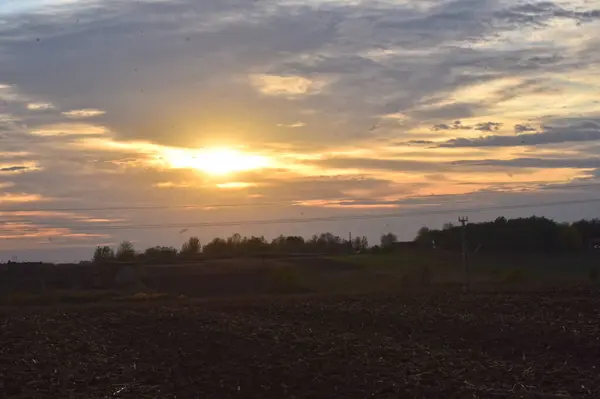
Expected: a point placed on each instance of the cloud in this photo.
(577, 131)
(14, 169)
(539, 163)
(83, 113)
(292, 125)
(69, 129)
(488, 126)
(19, 198)
(378, 164)
(521, 128)
(169, 184)
(39, 106)
(274, 85)
(235, 185)
(18, 168)
(458, 125)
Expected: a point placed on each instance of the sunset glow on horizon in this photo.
(215, 161)
(344, 107)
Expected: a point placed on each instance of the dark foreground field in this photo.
(443, 345)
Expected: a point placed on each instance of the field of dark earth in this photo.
(534, 344)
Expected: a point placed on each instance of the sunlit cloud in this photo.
(39, 106)
(396, 116)
(85, 219)
(169, 184)
(36, 214)
(83, 113)
(345, 204)
(50, 234)
(292, 125)
(20, 198)
(10, 93)
(18, 168)
(235, 185)
(275, 85)
(212, 161)
(70, 129)
(219, 161)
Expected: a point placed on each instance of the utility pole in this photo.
(350, 242)
(463, 221)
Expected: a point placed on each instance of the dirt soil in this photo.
(438, 345)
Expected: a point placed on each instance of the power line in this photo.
(155, 207)
(297, 202)
(319, 219)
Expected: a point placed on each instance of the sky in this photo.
(155, 120)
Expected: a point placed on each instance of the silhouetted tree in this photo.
(103, 254)
(533, 234)
(290, 244)
(448, 226)
(217, 247)
(360, 244)
(126, 251)
(191, 247)
(162, 254)
(388, 240)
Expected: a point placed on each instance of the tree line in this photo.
(533, 234)
(236, 245)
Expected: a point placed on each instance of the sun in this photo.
(216, 161)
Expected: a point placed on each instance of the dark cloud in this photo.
(14, 169)
(540, 163)
(541, 12)
(457, 125)
(441, 126)
(382, 164)
(419, 142)
(520, 128)
(569, 131)
(488, 126)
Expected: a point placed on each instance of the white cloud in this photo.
(274, 85)
(83, 113)
(39, 106)
(70, 129)
(292, 125)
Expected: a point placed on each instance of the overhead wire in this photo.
(291, 202)
(323, 218)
